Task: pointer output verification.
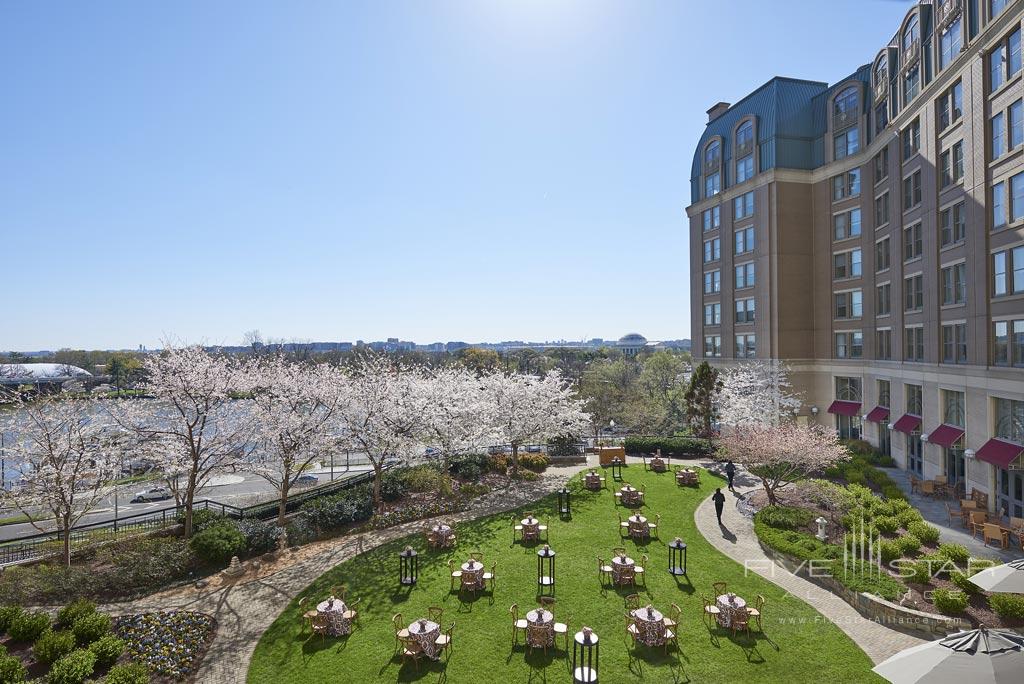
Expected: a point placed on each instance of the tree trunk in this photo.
(282, 506)
(769, 490)
(378, 471)
(66, 522)
(515, 458)
(190, 493)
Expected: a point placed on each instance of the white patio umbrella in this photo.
(977, 656)
(1007, 578)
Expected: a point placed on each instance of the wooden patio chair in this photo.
(627, 576)
(978, 520)
(756, 611)
(444, 641)
(517, 529)
(477, 556)
(672, 619)
(411, 650)
(456, 573)
(928, 488)
(518, 623)
(536, 633)
(632, 602)
(915, 485)
(434, 613)
(711, 612)
(400, 631)
(490, 575)
(653, 526)
(623, 527)
(670, 637)
(640, 571)
(618, 551)
(319, 626)
(740, 621)
(351, 614)
(307, 616)
(720, 588)
(604, 571)
(951, 514)
(992, 531)
(339, 591)
(631, 628)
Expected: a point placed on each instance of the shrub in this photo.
(73, 668)
(922, 572)
(785, 517)
(889, 551)
(855, 476)
(949, 601)
(107, 650)
(957, 553)
(527, 476)
(132, 673)
(392, 485)
(792, 543)
(218, 543)
(498, 463)
(7, 615)
(909, 544)
(330, 512)
(1007, 606)
(29, 626)
(893, 492)
(674, 447)
(963, 584)
(887, 524)
(90, 628)
(260, 535)
(70, 613)
(928, 534)
(11, 670)
(139, 565)
(906, 518)
(51, 646)
(535, 462)
(565, 446)
(868, 578)
(202, 518)
(472, 490)
(300, 531)
(427, 478)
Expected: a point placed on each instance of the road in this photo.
(242, 489)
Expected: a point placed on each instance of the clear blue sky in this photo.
(342, 170)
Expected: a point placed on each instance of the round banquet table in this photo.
(473, 573)
(540, 628)
(425, 633)
(650, 626)
(729, 606)
(638, 526)
(619, 563)
(531, 528)
(334, 611)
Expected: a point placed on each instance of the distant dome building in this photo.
(40, 373)
(631, 343)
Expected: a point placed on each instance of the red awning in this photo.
(844, 408)
(999, 453)
(908, 422)
(879, 414)
(945, 435)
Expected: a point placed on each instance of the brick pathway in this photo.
(245, 608)
(736, 539)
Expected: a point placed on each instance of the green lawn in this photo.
(798, 645)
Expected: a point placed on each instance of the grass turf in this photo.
(797, 645)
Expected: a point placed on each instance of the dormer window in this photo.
(712, 156)
(845, 108)
(745, 139)
(911, 34)
(712, 169)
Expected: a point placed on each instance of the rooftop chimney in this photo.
(718, 110)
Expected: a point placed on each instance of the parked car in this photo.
(431, 451)
(306, 479)
(533, 449)
(153, 494)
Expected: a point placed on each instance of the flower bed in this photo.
(170, 644)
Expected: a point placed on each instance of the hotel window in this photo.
(881, 117)
(713, 314)
(911, 139)
(995, 7)
(912, 83)
(1008, 272)
(849, 345)
(744, 310)
(846, 265)
(744, 240)
(848, 389)
(881, 165)
(712, 282)
(884, 393)
(712, 218)
(745, 135)
(954, 343)
(1008, 345)
(1015, 212)
(951, 106)
(746, 346)
(1016, 131)
(1010, 420)
(954, 284)
(998, 135)
(952, 164)
(883, 299)
(1017, 198)
(998, 205)
(1005, 61)
(743, 206)
(952, 225)
(745, 168)
(912, 242)
(712, 184)
(846, 224)
(913, 293)
(712, 345)
(846, 143)
(882, 255)
(914, 399)
(914, 344)
(912, 190)
(712, 250)
(883, 347)
(953, 408)
(882, 210)
(950, 43)
(745, 275)
(849, 304)
(846, 185)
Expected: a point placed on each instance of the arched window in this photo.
(911, 34)
(712, 153)
(846, 101)
(712, 166)
(745, 135)
(882, 69)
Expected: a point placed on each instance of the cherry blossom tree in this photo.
(526, 408)
(67, 453)
(293, 405)
(458, 414)
(783, 454)
(757, 392)
(194, 426)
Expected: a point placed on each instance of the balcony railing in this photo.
(882, 86)
(912, 55)
(844, 117)
(947, 12)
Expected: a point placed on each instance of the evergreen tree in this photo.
(701, 396)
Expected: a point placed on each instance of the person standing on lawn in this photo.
(730, 472)
(719, 499)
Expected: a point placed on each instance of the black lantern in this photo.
(677, 557)
(563, 502)
(616, 469)
(585, 652)
(546, 569)
(408, 566)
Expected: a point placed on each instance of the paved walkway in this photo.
(244, 609)
(736, 539)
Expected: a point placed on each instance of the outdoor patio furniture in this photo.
(927, 488)
(981, 498)
(339, 591)
(307, 616)
(411, 650)
(719, 587)
(632, 601)
(477, 556)
(540, 629)
(319, 626)
(622, 570)
(472, 576)
(740, 621)
(604, 571)
(351, 614)
(674, 613)
(756, 611)
(978, 520)
(638, 528)
(639, 570)
(915, 485)
(518, 623)
(730, 606)
(456, 574)
(653, 526)
(435, 612)
(992, 531)
(951, 514)
(400, 631)
(336, 616)
(490, 575)
(425, 633)
(711, 612)
(444, 642)
(648, 626)
(563, 629)
(623, 527)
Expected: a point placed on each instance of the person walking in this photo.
(730, 472)
(719, 499)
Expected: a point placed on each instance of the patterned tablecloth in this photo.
(334, 611)
(658, 465)
(540, 628)
(631, 496)
(531, 528)
(638, 526)
(592, 481)
(729, 605)
(686, 477)
(443, 533)
(649, 626)
(425, 633)
(473, 574)
(619, 563)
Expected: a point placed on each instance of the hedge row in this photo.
(675, 447)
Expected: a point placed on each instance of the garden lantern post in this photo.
(408, 566)
(616, 469)
(585, 654)
(546, 569)
(564, 506)
(677, 557)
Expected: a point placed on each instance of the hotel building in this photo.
(870, 234)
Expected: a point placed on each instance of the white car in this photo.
(306, 479)
(153, 494)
